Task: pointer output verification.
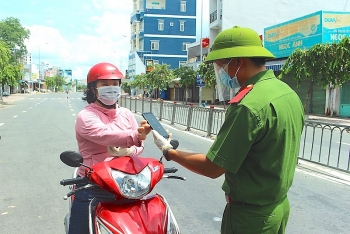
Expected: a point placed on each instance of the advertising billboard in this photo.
(304, 32)
(149, 65)
(336, 25)
(282, 39)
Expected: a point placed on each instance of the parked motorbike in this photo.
(131, 180)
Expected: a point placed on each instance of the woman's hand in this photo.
(118, 151)
(143, 130)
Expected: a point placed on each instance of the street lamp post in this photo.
(39, 70)
(201, 51)
(39, 80)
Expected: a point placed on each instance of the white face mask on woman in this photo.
(109, 95)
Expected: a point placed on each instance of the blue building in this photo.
(160, 32)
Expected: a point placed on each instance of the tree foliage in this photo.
(140, 81)
(206, 71)
(5, 57)
(14, 35)
(126, 87)
(55, 82)
(12, 48)
(160, 77)
(322, 64)
(187, 77)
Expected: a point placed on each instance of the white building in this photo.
(259, 15)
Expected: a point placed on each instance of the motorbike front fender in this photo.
(149, 215)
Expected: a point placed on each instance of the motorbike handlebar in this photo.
(78, 180)
(170, 170)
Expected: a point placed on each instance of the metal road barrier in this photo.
(321, 143)
(326, 144)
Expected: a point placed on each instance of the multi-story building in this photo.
(261, 15)
(160, 31)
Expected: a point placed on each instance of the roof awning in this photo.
(275, 65)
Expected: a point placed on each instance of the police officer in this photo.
(257, 145)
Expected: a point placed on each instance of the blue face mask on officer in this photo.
(227, 80)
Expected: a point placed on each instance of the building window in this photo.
(155, 62)
(160, 25)
(184, 46)
(141, 45)
(183, 6)
(141, 25)
(182, 63)
(182, 26)
(154, 45)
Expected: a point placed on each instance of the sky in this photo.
(76, 34)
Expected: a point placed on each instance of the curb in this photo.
(324, 171)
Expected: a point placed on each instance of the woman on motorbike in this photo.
(103, 130)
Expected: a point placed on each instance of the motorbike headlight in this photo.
(133, 186)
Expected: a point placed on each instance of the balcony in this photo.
(215, 19)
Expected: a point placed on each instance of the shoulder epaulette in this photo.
(241, 94)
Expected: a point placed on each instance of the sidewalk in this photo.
(14, 97)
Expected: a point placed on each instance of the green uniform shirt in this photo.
(258, 143)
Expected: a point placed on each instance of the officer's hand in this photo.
(161, 142)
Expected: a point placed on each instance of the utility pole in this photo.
(39, 70)
(201, 51)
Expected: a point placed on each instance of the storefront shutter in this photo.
(317, 100)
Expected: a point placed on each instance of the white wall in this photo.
(258, 15)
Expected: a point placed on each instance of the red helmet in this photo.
(104, 71)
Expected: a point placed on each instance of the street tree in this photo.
(206, 71)
(14, 35)
(140, 81)
(323, 64)
(126, 87)
(160, 78)
(59, 81)
(187, 78)
(5, 56)
(10, 72)
(50, 82)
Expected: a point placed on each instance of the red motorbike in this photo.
(130, 180)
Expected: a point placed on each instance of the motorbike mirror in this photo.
(174, 143)
(71, 158)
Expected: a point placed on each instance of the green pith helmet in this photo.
(238, 42)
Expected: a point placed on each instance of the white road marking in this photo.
(24, 111)
(15, 116)
(2, 124)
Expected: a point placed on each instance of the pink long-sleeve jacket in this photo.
(97, 127)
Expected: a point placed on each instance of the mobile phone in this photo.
(154, 123)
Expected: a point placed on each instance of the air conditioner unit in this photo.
(171, 24)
